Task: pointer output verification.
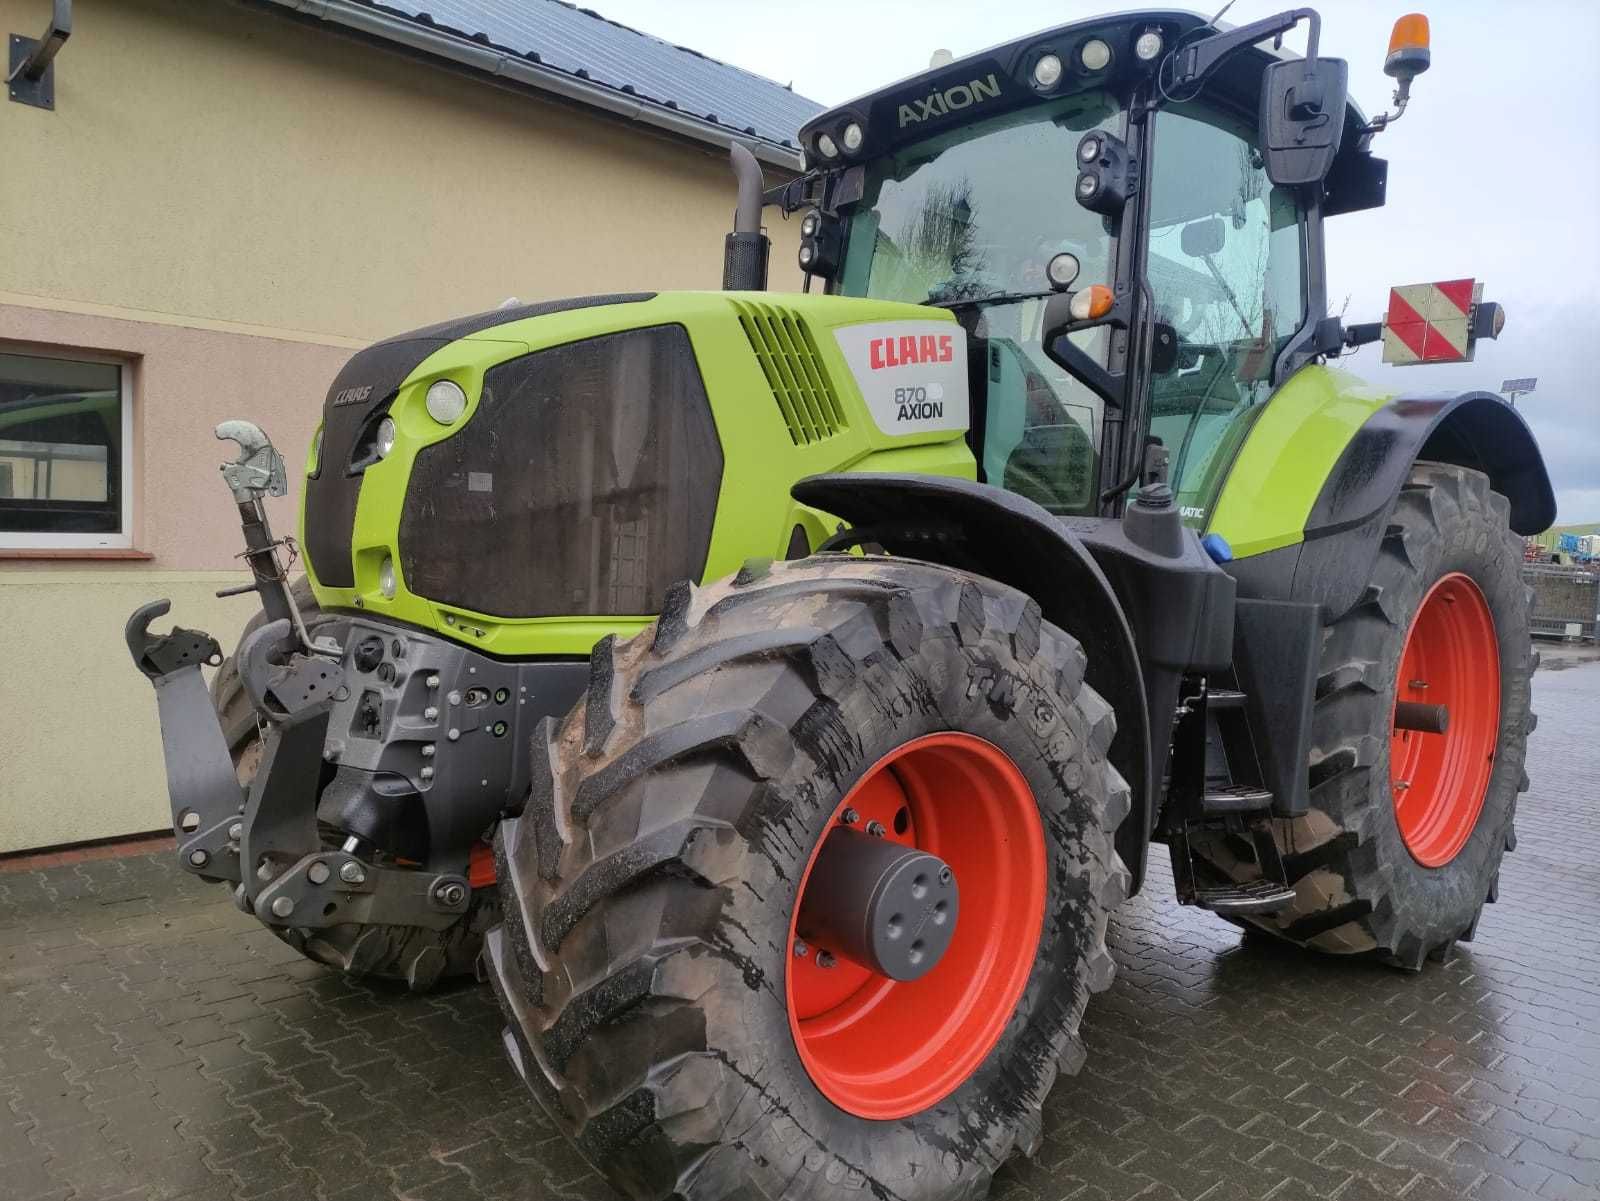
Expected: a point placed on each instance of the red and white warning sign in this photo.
(1431, 323)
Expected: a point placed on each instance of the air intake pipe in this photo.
(745, 252)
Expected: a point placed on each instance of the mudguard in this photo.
(1332, 563)
(994, 533)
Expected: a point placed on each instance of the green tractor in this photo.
(780, 691)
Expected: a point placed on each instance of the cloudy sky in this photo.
(1494, 172)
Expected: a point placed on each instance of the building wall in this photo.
(230, 203)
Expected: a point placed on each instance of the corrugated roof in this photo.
(585, 45)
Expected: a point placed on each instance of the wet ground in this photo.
(155, 1043)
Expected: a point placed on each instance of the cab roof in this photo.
(999, 79)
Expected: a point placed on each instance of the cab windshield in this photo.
(970, 219)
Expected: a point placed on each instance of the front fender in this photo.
(997, 534)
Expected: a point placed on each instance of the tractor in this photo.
(775, 694)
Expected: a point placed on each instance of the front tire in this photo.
(659, 1004)
(1406, 830)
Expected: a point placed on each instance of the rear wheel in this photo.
(812, 892)
(1408, 824)
(419, 956)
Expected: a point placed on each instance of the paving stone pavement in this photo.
(155, 1043)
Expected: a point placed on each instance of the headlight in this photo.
(446, 401)
(386, 581)
(385, 440)
(809, 223)
(1047, 71)
(1095, 54)
(314, 458)
(1148, 45)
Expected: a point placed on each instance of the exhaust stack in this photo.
(745, 251)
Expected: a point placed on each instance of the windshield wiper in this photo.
(935, 298)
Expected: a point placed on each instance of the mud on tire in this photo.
(649, 883)
(1358, 888)
(416, 955)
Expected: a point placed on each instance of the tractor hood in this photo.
(590, 453)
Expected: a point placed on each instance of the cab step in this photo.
(1235, 798)
(1255, 896)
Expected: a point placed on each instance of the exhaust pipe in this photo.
(746, 249)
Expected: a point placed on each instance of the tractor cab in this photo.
(1125, 216)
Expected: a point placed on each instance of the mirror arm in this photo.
(1193, 63)
(1107, 385)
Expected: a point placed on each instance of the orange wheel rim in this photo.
(1451, 658)
(883, 1049)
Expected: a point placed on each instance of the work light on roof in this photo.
(826, 147)
(1047, 71)
(853, 137)
(1095, 55)
(809, 223)
(1089, 149)
(1149, 45)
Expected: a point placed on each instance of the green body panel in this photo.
(755, 514)
(1287, 455)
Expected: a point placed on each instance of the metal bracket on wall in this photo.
(31, 77)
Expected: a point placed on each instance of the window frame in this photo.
(122, 539)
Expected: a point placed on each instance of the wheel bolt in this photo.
(825, 959)
(875, 828)
(1401, 785)
(849, 817)
(800, 949)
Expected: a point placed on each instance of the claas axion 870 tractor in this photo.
(780, 691)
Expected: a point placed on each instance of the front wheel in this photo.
(813, 889)
(1407, 825)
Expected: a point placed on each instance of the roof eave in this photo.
(503, 65)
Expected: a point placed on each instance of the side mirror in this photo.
(1202, 238)
(1302, 118)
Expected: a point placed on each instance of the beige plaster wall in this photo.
(231, 203)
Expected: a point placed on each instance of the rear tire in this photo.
(645, 961)
(418, 956)
(1368, 875)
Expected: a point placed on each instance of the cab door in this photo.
(1225, 264)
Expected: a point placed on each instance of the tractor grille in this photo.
(795, 372)
(585, 482)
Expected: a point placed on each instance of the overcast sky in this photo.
(1494, 172)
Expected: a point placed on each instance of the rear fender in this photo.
(997, 534)
(1332, 563)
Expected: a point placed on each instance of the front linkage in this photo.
(265, 838)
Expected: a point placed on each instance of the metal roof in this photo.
(586, 46)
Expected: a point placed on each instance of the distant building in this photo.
(224, 202)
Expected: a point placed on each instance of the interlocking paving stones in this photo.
(157, 1044)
